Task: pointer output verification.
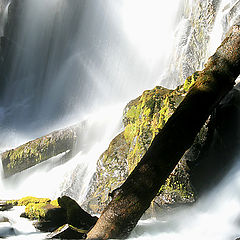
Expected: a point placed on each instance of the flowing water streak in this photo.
(221, 25)
(52, 180)
(72, 56)
(3, 16)
(75, 55)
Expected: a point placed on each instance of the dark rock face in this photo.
(54, 218)
(69, 213)
(221, 146)
(68, 232)
(75, 215)
(112, 170)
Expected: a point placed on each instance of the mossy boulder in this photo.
(143, 118)
(112, 170)
(40, 149)
(53, 214)
(75, 215)
(29, 199)
(37, 210)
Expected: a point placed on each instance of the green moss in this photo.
(130, 132)
(36, 210)
(13, 202)
(133, 114)
(153, 109)
(26, 200)
(54, 203)
(190, 81)
(143, 118)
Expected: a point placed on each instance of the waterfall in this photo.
(83, 60)
(70, 58)
(3, 16)
(77, 61)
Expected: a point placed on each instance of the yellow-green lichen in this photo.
(190, 81)
(143, 118)
(55, 203)
(29, 199)
(36, 210)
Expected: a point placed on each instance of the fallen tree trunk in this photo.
(132, 199)
(41, 149)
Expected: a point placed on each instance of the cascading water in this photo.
(83, 60)
(4, 14)
(74, 60)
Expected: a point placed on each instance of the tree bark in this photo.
(41, 149)
(133, 198)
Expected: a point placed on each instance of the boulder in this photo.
(41, 149)
(143, 118)
(7, 231)
(68, 232)
(54, 218)
(75, 215)
(4, 205)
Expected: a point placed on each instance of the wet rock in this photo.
(4, 206)
(7, 232)
(54, 218)
(75, 215)
(143, 118)
(68, 232)
(221, 145)
(41, 149)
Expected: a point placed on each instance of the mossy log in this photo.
(41, 149)
(134, 196)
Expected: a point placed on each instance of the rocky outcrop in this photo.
(135, 195)
(143, 118)
(52, 215)
(41, 149)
